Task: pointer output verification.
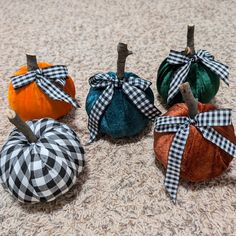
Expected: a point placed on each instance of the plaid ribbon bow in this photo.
(177, 58)
(45, 79)
(133, 87)
(180, 125)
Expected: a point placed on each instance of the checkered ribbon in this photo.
(46, 79)
(41, 171)
(180, 125)
(133, 87)
(178, 58)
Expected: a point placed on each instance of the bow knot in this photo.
(192, 121)
(131, 85)
(118, 83)
(180, 125)
(178, 58)
(39, 71)
(46, 79)
(194, 58)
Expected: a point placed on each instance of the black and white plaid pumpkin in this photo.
(44, 170)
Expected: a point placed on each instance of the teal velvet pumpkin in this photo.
(203, 82)
(121, 117)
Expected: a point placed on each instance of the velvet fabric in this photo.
(121, 117)
(203, 82)
(30, 102)
(202, 160)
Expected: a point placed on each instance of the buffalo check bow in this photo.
(133, 87)
(46, 79)
(178, 58)
(180, 125)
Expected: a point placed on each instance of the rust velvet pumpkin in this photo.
(202, 160)
(30, 102)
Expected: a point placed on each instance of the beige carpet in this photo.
(121, 190)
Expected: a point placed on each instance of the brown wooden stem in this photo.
(21, 126)
(190, 41)
(123, 53)
(189, 99)
(31, 62)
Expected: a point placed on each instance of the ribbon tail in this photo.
(174, 161)
(91, 139)
(214, 137)
(178, 78)
(54, 92)
(97, 112)
(139, 99)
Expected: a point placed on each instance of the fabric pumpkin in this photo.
(121, 118)
(44, 170)
(198, 68)
(30, 102)
(204, 83)
(202, 160)
(119, 104)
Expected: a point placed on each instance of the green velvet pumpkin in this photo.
(203, 82)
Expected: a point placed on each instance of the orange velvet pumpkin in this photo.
(30, 102)
(202, 160)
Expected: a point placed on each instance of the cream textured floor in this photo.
(121, 191)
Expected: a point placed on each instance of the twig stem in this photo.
(21, 126)
(189, 99)
(123, 53)
(190, 40)
(31, 62)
